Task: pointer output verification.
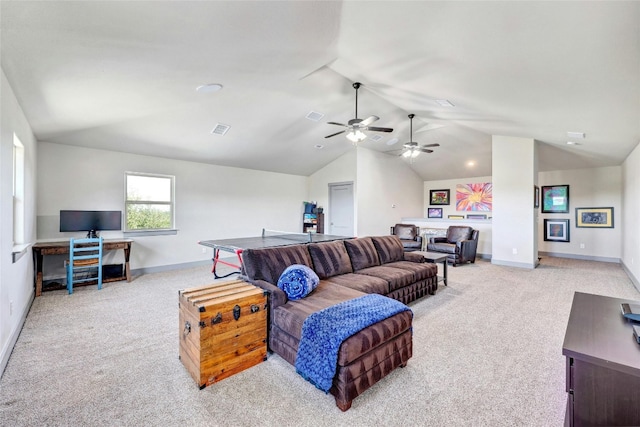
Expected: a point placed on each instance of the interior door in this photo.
(341, 209)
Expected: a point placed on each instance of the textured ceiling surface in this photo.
(123, 76)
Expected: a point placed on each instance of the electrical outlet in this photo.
(581, 245)
(204, 250)
(515, 251)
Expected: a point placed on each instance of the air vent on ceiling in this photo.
(315, 116)
(576, 135)
(375, 137)
(220, 129)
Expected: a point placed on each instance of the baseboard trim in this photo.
(633, 278)
(582, 257)
(513, 264)
(13, 338)
(163, 268)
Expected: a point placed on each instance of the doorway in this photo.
(341, 209)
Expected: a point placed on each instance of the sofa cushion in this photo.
(268, 263)
(362, 283)
(330, 258)
(362, 253)
(420, 271)
(298, 281)
(395, 277)
(389, 248)
(290, 316)
(456, 233)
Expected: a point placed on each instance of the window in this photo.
(149, 202)
(18, 191)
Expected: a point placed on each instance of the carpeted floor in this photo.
(487, 352)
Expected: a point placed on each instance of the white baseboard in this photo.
(13, 338)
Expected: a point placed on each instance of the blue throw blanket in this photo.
(324, 331)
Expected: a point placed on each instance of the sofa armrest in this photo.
(419, 239)
(437, 240)
(412, 257)
(277, 296)
(467, 249)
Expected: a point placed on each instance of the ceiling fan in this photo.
(355, 127)
(412, 148)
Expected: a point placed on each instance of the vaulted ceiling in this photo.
(123, 76)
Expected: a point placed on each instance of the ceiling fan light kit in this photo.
(355, 128)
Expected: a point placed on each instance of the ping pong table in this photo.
(269, 238)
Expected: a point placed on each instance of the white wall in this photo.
(212, 202)
(595, 187)
(514, 176)
(388, 189)
(380, 181)
(16, 279)
(485, 238)
(341, 170)
(629, 215)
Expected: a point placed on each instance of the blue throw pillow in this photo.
(298, 281)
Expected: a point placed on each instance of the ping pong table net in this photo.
(286, 235)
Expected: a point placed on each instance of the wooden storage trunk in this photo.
(223, 329)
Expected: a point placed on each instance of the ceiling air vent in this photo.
(220, 129)
(375, 138)
(314, 116)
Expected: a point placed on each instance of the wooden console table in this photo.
(603, 364)
(62, 247)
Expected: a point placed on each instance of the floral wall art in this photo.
(474, 197)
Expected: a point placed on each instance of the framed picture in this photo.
(439, 197)
(434, 213)
(556, 230)
(476, 216)
(474, 197)
(594, 217)
(555, 199)
(456, 217)
(536, 196)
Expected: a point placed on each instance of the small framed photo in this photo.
(536, 196)
(456, 217)
(556, 230)
(555, 199)
(476, 216)
(594, 217)
(434, 213)
(439, 197)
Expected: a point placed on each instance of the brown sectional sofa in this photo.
(347, 269)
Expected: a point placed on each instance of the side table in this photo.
(436, 257)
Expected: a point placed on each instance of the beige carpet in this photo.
(487, 352)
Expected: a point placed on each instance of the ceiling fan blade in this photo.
(424, 150)
(375, 129)
(431, 145)
(369, 120)
(336, 123)
(334, 134)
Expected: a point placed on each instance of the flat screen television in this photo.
(90, 221)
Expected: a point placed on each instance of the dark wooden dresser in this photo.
(603, 364)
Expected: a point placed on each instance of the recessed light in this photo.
(319, 146)
(209, 88)
(571, 143)
(471, 163)
(444, 103)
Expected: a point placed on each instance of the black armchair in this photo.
(409, 235)
(460, 245)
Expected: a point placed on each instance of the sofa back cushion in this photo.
(455, 233)
(362, 253)
(405, 231)
(389, 248)
(268, 263)
(330, 258)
